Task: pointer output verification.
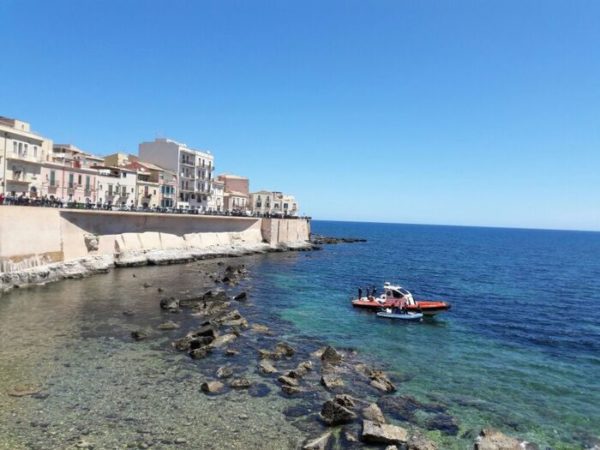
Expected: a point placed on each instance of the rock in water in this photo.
(337, 411)
(260, 328)
(373, 413)
(212, 387)
(381, 433)
(242, 296)
(319, 443)
(139, 335)
(331, 356)
(224, 372)
(240, 383)
(419, 442)
(490, 439)
(168, 325)
(266, 367)
(331, 381)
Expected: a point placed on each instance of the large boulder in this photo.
(338, 410)
(381, 433)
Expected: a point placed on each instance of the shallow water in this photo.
(500, 357)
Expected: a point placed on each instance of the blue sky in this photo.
(442, 112)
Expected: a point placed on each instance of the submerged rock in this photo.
(420, 442)
(139, 335)
(381, 433)
(240, 383)
(491, 439)
(319, 443)
(169, 325)
(260, 328)
(444, 423)
(331, 381)
(169, 304)
(242, 296)
(224, 372)
(23, 390)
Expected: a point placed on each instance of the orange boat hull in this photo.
(428, 308)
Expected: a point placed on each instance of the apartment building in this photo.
(68, 175)
(194, 170)
(273, 203)
(235, 192)
(22, 153)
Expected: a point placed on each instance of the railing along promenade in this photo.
(43, 203)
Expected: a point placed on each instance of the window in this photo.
(35, 151)
(124, 191)
(110, 189)
(52, 178)
(25, 150)
(71, 180)
(79, 180)
(20, 148)
(87, 183)
(15, 151)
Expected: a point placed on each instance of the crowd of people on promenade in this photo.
(24, 199)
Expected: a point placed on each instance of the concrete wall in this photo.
(32, 236)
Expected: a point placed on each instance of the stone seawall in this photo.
(44, 244)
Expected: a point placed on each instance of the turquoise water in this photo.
(520, 349)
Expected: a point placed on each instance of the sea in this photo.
(518, 351)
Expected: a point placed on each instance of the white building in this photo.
(22, 153)
(216, 200)
(193, 168)
(116, 186)
(273, 203)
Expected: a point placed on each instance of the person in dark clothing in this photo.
(359, 293)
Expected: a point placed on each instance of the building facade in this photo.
(69, 175)
(22, 153)
(216, 200)
(273, 203)
(193, 168)
(235, 193)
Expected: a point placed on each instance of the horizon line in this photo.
(460, 225)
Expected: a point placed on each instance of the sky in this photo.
(439, 112)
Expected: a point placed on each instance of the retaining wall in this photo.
(31, 236)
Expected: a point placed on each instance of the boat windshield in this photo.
(398, 294)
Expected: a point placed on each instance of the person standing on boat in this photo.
(359, 293)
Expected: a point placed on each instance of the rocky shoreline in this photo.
(339, 400)
(318, 239)
(96, 264)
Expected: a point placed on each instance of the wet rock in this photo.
(266, 367)
(207, 329)
(147, 285)
(223, 340)
(260, 328)
(391, 447)
(224, 372)
(191, 343)
(349, 436)
(285, 349)
(169, 304)
(373, 413)
(331, 356)
(289, 381)
(231, 352)
(338, 410)
(331, 381)
(179, 441)
(442, 422)
(420, 442)
(240, 383)
(128, 313)
(381, 433)
(159, 289)
(23, 390)
(491, 439)
(237, 323)
(139, 335)
(379, 380)
(169, 325)
(199, 353)
(301, 370)
(291, 390)
(212, 387)
(242, 296)
(319, 443)
(85, 444)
